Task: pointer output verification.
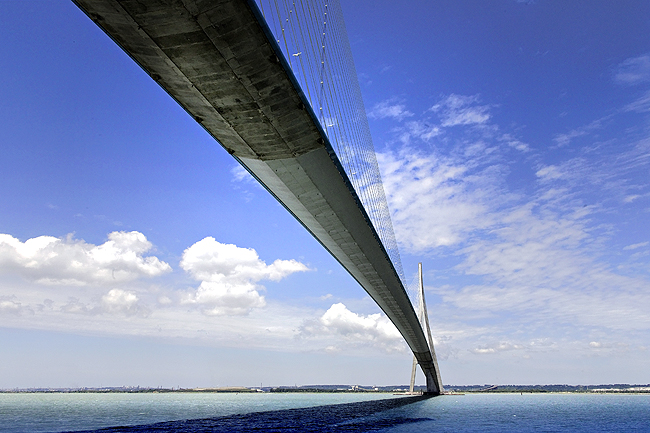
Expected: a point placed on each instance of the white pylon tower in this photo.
(423, 316)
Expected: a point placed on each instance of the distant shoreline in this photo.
(459, 389)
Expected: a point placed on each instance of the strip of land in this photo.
(455, 389)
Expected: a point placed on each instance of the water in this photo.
(529, 413)
(50, 412)
(297, 412)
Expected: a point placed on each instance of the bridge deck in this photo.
(218, 60)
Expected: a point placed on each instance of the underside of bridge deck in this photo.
(218, 60)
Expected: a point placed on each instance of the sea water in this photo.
(527, 413)
(181, 412)
(55, 412)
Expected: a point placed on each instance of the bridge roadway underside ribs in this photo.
(220, 63)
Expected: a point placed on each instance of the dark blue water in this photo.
(527, 413)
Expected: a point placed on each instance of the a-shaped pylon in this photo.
(423, 316)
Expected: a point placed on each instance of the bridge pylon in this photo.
(434, 381)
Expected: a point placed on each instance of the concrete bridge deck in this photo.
(219, 61)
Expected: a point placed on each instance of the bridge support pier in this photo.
(432, 385)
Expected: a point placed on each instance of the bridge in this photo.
(221, 62)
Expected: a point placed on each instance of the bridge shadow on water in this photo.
(347, 417)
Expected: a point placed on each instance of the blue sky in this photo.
(514, 143)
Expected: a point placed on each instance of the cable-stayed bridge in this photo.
(273, 82)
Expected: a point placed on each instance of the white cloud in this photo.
(635, 246)
(342, 321)
(53, 261)
(420, 130)
(229, 275)
(211, 260)
(564, 139)
(605, 171)
(535, 269)
(497, 347)
(461, 110)
(121, 302)
(528, 241)
(225, 298)
(115, 302)
(532, 264)
(528, 259)
(609, 347)
(515, 143)
(630, 198)
(389, 109)
(634, 70)
(354, 330)
(540, 267)
(550, 173)
(435, 201)
(641, 105)
(75, 306)
(240, 174)
(8, 305)
(453, 110)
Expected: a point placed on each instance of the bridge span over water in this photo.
(220, 61)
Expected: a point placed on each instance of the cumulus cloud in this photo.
(389, 109)
(229, 274)
(54, 261)
(115, 302)
(225, 298)
(461, 110)
(351, 329)
(121, 302)
(211, 260)
(8, 305)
